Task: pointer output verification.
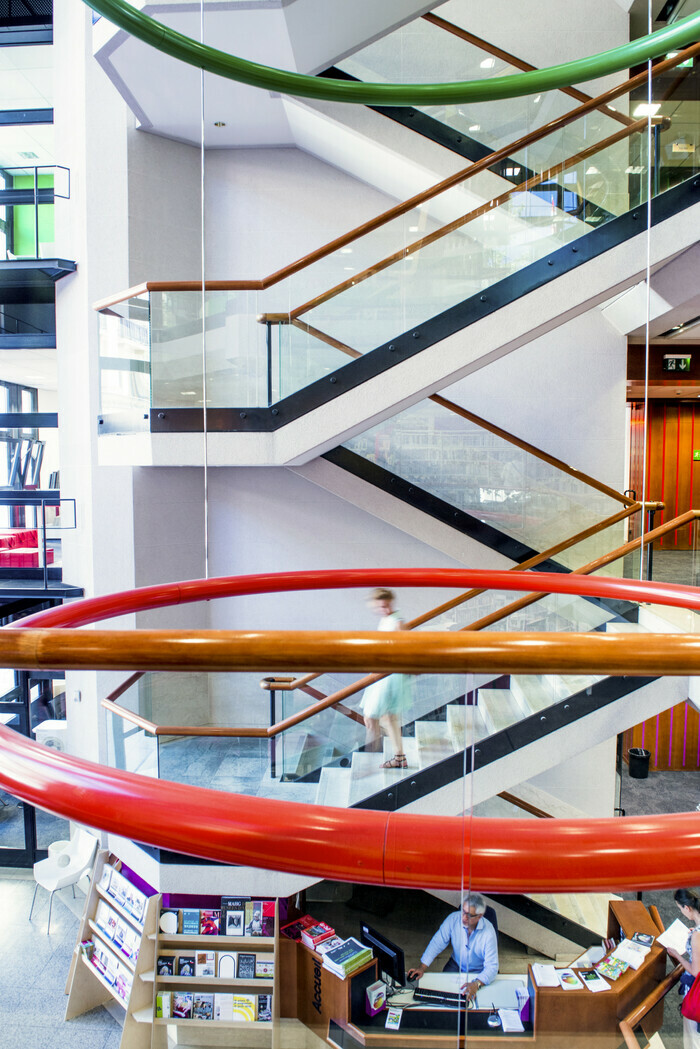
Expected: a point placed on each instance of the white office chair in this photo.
(65, 867)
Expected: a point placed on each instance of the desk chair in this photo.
(65, 867)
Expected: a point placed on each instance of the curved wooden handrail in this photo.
(437, 652)
(526, 806)
(512, 60)
(288, 685)
(401, 209)
(335, 698)
(628, 1024)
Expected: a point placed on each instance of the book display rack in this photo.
(175, 972)
(113, 957)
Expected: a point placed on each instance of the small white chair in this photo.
(65, 867)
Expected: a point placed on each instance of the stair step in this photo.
(500, 708)
(433, 742)
(334, 787)
(533, 691)
(466, 725)
(620, 626)
(658, 619)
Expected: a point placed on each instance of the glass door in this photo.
(32, 704)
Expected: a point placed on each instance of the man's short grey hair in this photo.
(475, 900)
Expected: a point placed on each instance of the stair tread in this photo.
(500, 707)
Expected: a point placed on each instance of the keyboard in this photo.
(430, 996)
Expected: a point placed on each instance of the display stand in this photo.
(132, 988)
(217, 1032)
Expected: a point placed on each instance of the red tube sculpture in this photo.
(397, 848)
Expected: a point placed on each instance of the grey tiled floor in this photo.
(33, 971)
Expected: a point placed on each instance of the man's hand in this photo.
(417, 973)
(470, 989)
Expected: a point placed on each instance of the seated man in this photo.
(474, 946)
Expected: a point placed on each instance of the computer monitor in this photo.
(392, 966)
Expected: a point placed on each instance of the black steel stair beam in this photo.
(383, 358)
(465, 146)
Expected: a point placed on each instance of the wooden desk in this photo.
(335, 1009)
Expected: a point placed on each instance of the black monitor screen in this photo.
(388, 954)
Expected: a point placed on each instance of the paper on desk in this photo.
(544, 975)
(632, 953)
(510, 1020)
(675, 937)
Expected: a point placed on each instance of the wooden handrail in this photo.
(447, 606)
(463, 220)
(526, 806)
(653, 658)
(628, 1024)
(457, 409)
(512, 60)
(402, 208)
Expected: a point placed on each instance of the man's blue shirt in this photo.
(476, 954)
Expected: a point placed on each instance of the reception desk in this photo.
(335, 1009)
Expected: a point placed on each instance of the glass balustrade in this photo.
(511, 489)
(27, 197)
(239, 348)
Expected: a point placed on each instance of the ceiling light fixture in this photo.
(647, 109)
(219, 123)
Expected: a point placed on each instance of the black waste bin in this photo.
(639, 762)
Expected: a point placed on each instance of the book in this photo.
(268, 918)
(245, 968)
(329, 945)
(232, 922)
(182, 1005)
(205, 963)
(169, 921)
(544, 975)
(294, 929)
(106, 877)
(568, 980)
(630, 952)
(265, 1008)
(105, 919)
(253, 918)
(646, 939)
(675, 937)
(226, 969)
(185, 965)
(510, 1021)
(189, 924)
(165, 966)
(209, 923)
(163, 1004)
(611, 967)
(314, 934)
(203, 1007)
(264, 968)
(223, 1006)
(244, 1006)
(593, 981)
(233, 915)
(344, 960)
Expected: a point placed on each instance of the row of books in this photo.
(185, 1005)
(124, 938)
(237, 916)
(309, 931)
(110, 969)
(113, 883)
(225, 965)
(340, 956)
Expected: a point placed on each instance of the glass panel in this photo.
(482, 474)
(125, 385)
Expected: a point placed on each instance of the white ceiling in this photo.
(26, 82)
(297, 35)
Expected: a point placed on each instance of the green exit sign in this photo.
(676, 362)
(696, 454)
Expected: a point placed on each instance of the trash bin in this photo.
(639, 762)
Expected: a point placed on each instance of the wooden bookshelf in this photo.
(132, 989)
